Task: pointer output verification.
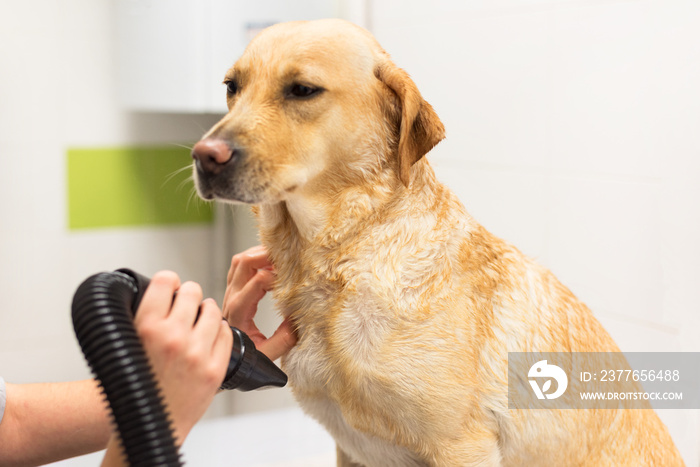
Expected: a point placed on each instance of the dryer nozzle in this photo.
(249, 368)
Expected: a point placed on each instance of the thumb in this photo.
(280, 342)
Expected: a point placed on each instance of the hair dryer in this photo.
(103, 309)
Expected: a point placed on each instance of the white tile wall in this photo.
(488, 193)
(606, 86)
(572, 132)
(605, 241)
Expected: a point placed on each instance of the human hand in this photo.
(188, 358)
(250, 277)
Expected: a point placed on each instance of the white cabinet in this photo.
(172, 55)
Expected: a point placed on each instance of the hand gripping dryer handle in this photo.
(103, 309)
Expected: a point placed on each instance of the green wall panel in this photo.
(132, 186)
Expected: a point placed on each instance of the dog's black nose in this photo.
(211, 155)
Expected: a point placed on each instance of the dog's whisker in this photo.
(189, 200)
(187, 181)
(196, 200)
(199, 125)
(175, 173)
(182, 146)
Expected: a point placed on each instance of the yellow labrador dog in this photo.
(405, 307)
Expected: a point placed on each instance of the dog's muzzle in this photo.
(220, 172)
(214, 160)
(211, 156)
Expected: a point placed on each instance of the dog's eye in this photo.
(231, 87)
(299, 90)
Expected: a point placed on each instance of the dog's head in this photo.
(312, 105)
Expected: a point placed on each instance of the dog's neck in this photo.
(328, 217)
(308, 238)
(309, 215)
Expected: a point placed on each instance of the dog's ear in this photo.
(420, 128)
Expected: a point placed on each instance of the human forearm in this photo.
(114, 457)
(52, 421)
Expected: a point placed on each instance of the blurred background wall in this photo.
(572, 132)
(58, 91)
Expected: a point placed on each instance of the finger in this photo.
(243, 306)
(158, 298)
(206, 329)
(250, 251)
(235, 265)
(187, 302)
(244, 265)
(234, 262)
(280, 342)
(221, 352)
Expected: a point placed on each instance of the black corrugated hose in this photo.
(102, 311)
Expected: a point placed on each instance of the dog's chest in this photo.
(351, 330)
(316, 379)
(361, 447)
(319, 374)
(340, 361)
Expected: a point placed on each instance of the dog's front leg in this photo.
(344, 460)
(478, 449)
(486, 454)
